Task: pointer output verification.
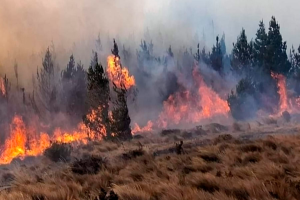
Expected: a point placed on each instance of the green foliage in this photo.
(145, 54)
(58, 152)
(216, 57)
(242, 102)
(223, 45)
(276, 56)
(98, 97)
(46, 83)
(241, 55)
(260, 47)
(74, 89)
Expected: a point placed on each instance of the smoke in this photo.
(29, 26)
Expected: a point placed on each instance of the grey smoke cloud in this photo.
(27, 27)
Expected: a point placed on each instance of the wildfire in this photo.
(2, 86)
(187, 107)
(286, 102)
(26, 141)
(118, 74)
(146, 128)
(283, 101)
(182, 107)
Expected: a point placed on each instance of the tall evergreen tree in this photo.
(216, 57)
(74, 83)
(295, 70)
(276, 56)
(223, 45)
(242, 102)
(241, 55)
(260, 48)
(145, 54)
(46, 83)
(120, 122)
(98, 96)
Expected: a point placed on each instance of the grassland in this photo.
(242, 161)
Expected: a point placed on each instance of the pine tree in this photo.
(243, 102)
(145, 55)
(98, 98)
(120, 122)
(216, 57)
(46, 83)
(276, 55)
(223, 45)
(241, 55)
(74, 89)
(260, 48)
(295, 70)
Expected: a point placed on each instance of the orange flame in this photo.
(2, 87)
(146, 128)
(26, 141)
(185, 107)
(283, 100)
(118, 74)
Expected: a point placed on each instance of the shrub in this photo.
(210, 157)
(223, 138)
(88, 165)
(133, 153)
(286, 116)
(58, 152)
(242, 102)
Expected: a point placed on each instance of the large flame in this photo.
(26, 141)
(118, 74)
(283, 98)
(286, 102)
(187, 107)
(182, 107)
(146, 128)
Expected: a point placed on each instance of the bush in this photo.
(133, 154)
(242, 102)
(286, 116)
(88, 165)
(58, 152)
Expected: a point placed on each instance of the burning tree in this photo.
(98, 99)
(120, 120)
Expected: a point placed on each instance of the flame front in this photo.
(283, 99)
(146, 128)
(185, 107)
(118, 74)
(26, 141)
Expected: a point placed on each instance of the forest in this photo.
(136, 91)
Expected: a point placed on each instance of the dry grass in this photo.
(223, 167)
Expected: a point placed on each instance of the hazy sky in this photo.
(29, 26)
